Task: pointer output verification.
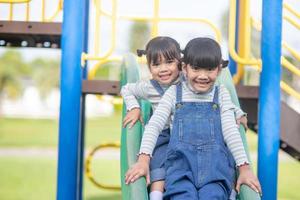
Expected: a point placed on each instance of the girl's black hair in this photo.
(159, 48)
(203, 53)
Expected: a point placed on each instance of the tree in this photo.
(45, 73)
(12, 70)
(139, 34)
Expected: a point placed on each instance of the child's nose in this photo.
(201, 75)
(163, 67)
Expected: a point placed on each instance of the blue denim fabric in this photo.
(157, 87)
(199, 165)
(157, 163)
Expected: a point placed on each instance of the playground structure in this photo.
(75, 83)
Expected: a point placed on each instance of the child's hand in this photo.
(132, 116)
(140, 168)
(243, 120)
(247, 177)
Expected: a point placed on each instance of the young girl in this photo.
(164, 62)
(199, 164)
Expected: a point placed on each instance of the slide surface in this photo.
(131, 138)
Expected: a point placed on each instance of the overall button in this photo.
(178, 105)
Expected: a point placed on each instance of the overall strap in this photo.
(157, 87)
(182, 77)
(178, 92)
(216, 95)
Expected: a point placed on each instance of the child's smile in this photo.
(165, 72)
(165, 76)
(201, 80)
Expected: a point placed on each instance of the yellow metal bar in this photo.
(291, 50)
(58, 9)
(43, 10)
(292, 21)
(88, 170)
(11, 10)
(14, 1)
(151, 19)
(290, 66)
(114, 24)
(244, 31)
(93, 70)
(155, 19)
(285, 87)
(257, 24)
(27, 11)
(113, 37)
(289, 8)
(234, 55)
(204, 21)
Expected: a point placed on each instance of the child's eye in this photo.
(211, 69)
(155, 64)
(170, 61)
(195, 68)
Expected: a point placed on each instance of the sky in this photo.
(212, 10)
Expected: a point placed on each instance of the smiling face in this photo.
(165, 71)
(201, 79)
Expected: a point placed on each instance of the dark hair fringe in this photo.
(141, 52)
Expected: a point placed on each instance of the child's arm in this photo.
(240, 116)
(247, 177)
(131, 92)
(234, 142)
(132, 116)
(139, 169)
(156, 124)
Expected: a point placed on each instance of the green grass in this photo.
(35, 179)
(288, 181)
(251, 140)
(31, 178)
(28, 132)
(288, 171)
(44, 132)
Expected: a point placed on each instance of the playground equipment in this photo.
(88, 168)
(75, 83)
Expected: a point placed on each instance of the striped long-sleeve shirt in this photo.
(143, 89)
(166, 109)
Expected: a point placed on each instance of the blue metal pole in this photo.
(84, 76)
(69, 157)
(269, 98)
(232, 64)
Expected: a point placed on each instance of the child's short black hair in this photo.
(203, 53)
(161, 47)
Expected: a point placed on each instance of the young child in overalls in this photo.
(199, 164)
(164, 62)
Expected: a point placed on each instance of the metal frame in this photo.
(30, 34)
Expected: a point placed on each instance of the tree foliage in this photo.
(12, 70)
(16, 74)
(139, 34)
(45, 74)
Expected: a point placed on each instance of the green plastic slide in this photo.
(131, 138)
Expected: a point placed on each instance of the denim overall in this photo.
(199, 165)
(157, 163)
